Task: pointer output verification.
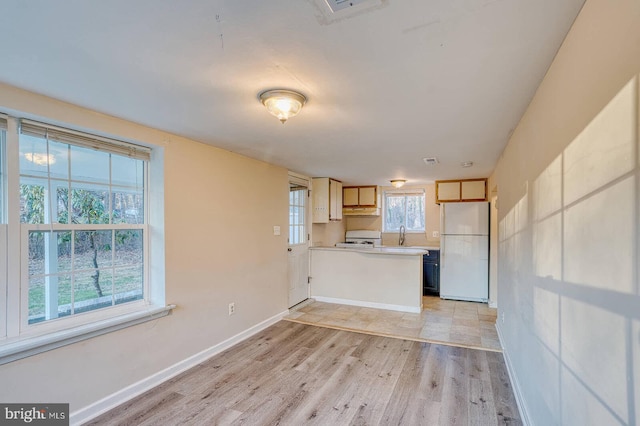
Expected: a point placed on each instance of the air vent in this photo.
(337, 5)
(430, 161)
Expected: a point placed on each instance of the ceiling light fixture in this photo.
(282, 103)
(397, 183)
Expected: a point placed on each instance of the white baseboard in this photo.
(515, 384)
(102, 406)
(400, 308)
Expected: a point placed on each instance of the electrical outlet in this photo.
(232, 308)
(435, 234)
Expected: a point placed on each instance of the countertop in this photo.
(396, 250)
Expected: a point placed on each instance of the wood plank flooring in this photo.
(297, 374)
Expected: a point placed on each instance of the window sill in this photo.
(13, 350)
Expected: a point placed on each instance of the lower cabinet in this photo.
(431, 273)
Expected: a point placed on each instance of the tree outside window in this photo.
(404, 209)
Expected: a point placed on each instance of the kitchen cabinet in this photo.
(375, 277)
(326, 196)
(360, 196)
(361, 201)
(431, 273)
(461, 190)
(351, 196)
(335, 200)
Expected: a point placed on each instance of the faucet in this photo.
(401, 236)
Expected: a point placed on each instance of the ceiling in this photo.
(388, 82)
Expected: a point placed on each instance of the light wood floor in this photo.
(449, 322)
(296, 374)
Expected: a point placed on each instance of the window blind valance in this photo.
(402, 192)
(85, 140)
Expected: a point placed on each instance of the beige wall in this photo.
(493, 242)
(432, 222)
(220, 209)
(569, 229)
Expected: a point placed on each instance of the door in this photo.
(298, 248)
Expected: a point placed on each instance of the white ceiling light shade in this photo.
(398, 183)
(282, 103)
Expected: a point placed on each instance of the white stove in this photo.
(362, 239)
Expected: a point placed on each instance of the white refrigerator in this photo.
(464, 251)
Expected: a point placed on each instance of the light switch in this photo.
(276, 230)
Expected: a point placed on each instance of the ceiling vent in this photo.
(430, 161)
(338, 5)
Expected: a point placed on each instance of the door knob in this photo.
(289, 249)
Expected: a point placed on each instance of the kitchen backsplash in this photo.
(328, 234)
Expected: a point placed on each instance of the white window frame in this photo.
(18, 338)
(303, 223)
(3, 226)
(400, 192)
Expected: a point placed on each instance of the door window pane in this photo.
(297, 215)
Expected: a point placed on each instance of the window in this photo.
(3, 179)
(90, 253)
(78, 211)
(3, 227)
(404, 208)
(297, 215)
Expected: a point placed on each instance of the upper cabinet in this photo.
(335, 200)
(360, 196)
(448, 191)
(327, 200)
(361, 200)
